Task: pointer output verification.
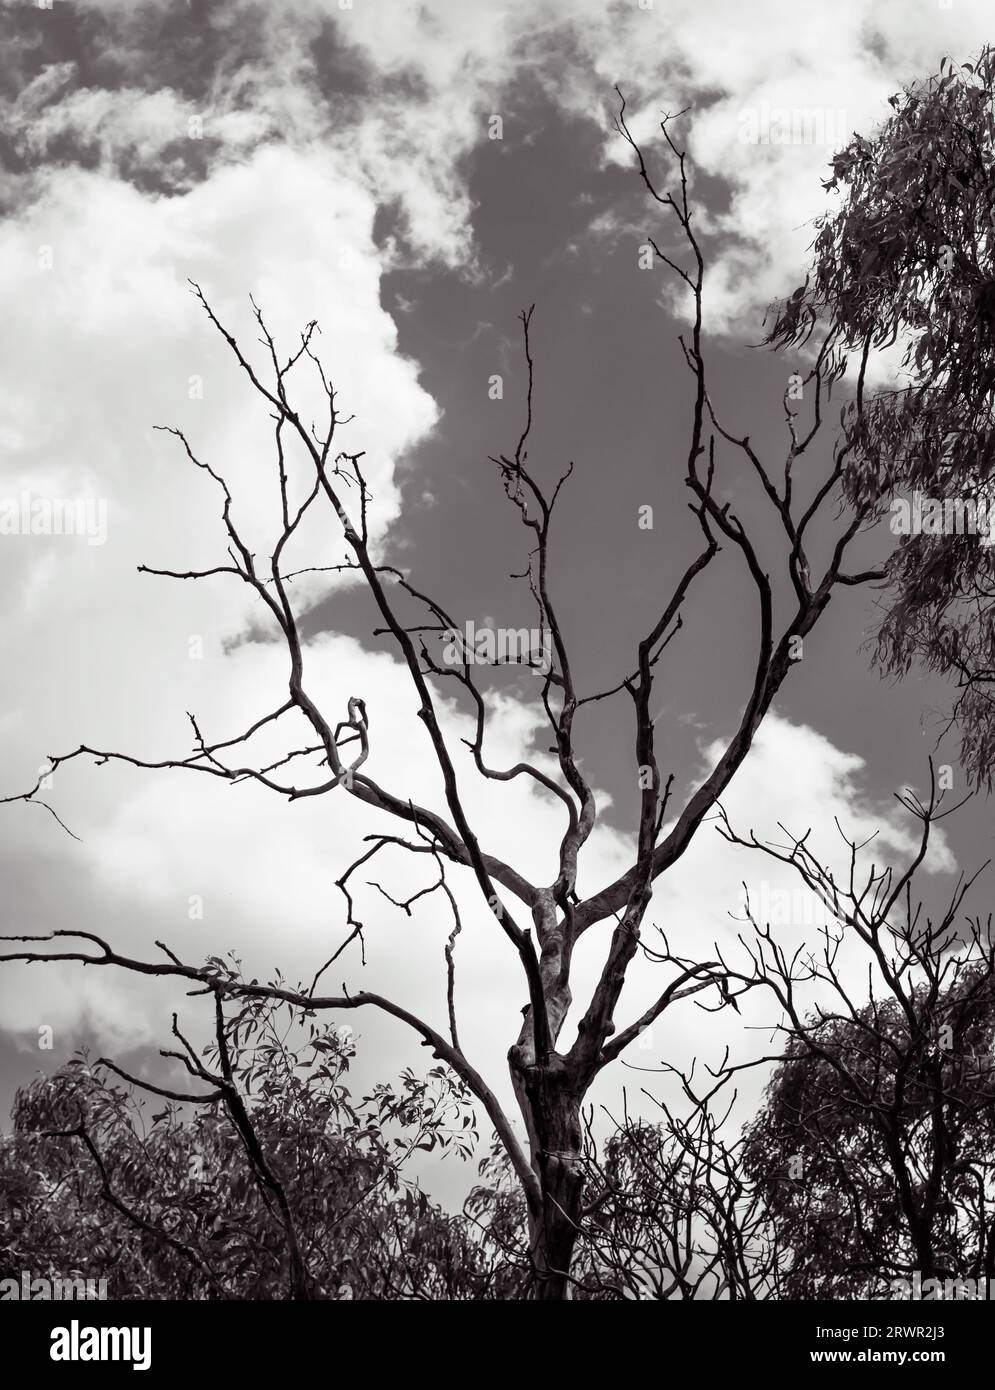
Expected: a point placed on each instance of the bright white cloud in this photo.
(795, 778)
(101, 341)
(438, 68)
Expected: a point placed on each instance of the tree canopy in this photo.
(904, 264)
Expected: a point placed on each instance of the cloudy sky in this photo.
(411, 175)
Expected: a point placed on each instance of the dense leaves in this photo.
(170, 1204)
(97, 1182)
(906, 259)
(877, 1142)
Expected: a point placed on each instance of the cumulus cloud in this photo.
(101, 341)
(104, 341)
(431, 73)
(794, 781)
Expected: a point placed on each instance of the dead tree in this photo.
(542, 922)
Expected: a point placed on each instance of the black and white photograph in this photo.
(497, 693)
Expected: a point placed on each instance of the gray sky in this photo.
(335, 161)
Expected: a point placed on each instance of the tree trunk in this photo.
(555, 1134)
